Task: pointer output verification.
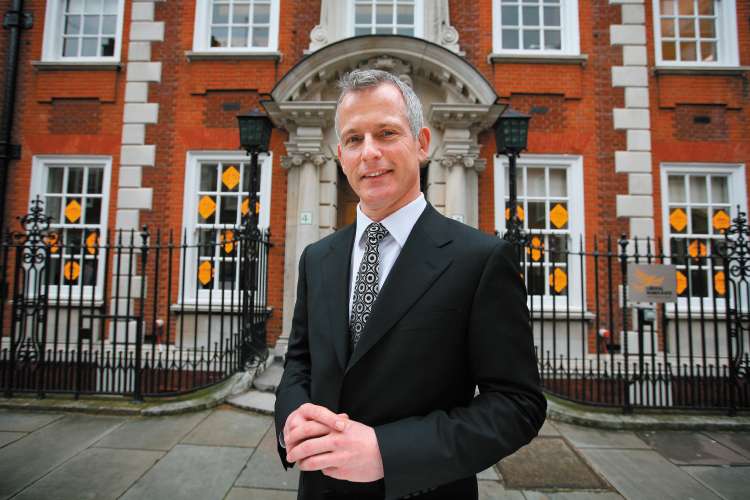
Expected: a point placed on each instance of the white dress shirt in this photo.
(399, 225)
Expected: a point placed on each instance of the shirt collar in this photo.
(399, 224)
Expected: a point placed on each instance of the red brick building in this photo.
(639, 125)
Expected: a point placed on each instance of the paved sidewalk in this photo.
(227, 453)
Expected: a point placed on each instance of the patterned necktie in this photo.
(366, 286)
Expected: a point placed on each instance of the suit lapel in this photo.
(336, 278)
(419, 264)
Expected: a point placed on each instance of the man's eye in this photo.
(388, 133)
(352, 139)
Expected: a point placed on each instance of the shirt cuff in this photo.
(281, 440)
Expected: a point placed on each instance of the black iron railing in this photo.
(137, 313)
(595, 346)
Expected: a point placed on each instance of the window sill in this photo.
(701, 70)
(207, 55)
(561, 313)
(215, 308)
(76, 65)
(501, 58)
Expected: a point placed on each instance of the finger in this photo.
(321, 461)
(306, 430)
(310, 447)
(323, 415)
(334, 472)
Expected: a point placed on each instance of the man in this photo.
(398, 319)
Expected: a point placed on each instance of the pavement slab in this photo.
(572, 495)
(490, 474)
(549, 429)
(93, 474)
(230, 427)
(691, 448)
(548, 462)
(17, 421)
(737, 441)
(9, 437)
(191, 472)
(492, 490)
(264, 469)
(732, 483)
(257, 494)
(152, 433)
(588, 437)
(48, 447)
(642, 474)
(261, 402)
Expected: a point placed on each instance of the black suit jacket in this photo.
(450, 316)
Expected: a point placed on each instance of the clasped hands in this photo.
(341, 448)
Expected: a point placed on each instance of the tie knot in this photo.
(376, 232)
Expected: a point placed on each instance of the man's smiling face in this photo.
(378, 153)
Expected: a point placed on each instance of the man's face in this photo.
(378, 153)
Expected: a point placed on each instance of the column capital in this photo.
(465, 161)
(299, 159)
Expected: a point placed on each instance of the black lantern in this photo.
(511, 132)
(511, 135)
(255, 131)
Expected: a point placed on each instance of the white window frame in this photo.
(574, 166)
(726, 29)
(202, 32)
(39, 174)
(418, 18)
(569, 37)
(190, 208)
(737, 196)
(52, 46)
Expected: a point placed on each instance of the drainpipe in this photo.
(15, 20)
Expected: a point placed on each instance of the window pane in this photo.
(557, 182)
(552, 40)
(536, 280)
(405, 14)
(687, 51)
(509, 15)
(719, 190)
(110, 6)
(698, 283)
(207, 242)
(362, 31)
(219, 37)
(687, 28)
(75, 180)
(92, 214)
(384, 14)
(88, 272)
(227, 275)
(208, 177)
(55, 180)
(70, 47)
(667, 28)
(52, 206)
(363, 14)
(241, 14)
(405, 31)
(686, 8)
(537, 215)
(535, 180)
(228, 210)
(700, 220)
(678, 250)
(72, 25)
(678, 220)
(676, 188)
(262, 13)
(89, 47)
(531, 16)
(708, 28)
(93, 7)
(221, 14)
(108, 46)
(558, 246)
(552, 16)
(260, 37)
(531, 39)
(239, 37)
(94, 184)
(668, 7)
(668, 51)
(384, 30)
(91, 25)
(698, 191)
(510, 39)
(706, 7)
(74, 6)
(708, 51)
(109, 24)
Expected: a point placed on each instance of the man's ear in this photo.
(424, 144)
(338, 152)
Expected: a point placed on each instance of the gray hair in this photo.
(367, 78)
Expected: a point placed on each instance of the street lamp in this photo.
(511, 135)
(255, 134)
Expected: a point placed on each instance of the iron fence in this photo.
(595, 346)
(141, 313)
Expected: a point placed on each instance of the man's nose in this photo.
(370, 148)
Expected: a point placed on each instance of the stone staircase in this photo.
(260, 397)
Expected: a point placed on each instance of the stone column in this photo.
(461, 190)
